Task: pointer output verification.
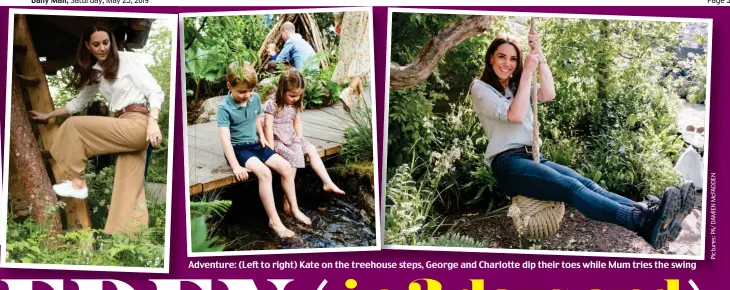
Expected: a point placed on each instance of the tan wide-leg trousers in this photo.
(85, 136)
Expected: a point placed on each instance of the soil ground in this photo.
(576, 233)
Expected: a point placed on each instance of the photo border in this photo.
(171, 133)
(708, 21)
(378, 226)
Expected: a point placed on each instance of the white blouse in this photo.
(134, 85)
(491, 107)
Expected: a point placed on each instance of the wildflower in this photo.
(612, 143)
(622, 150)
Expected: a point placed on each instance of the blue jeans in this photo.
(518, 174)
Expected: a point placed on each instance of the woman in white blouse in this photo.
(127, 86)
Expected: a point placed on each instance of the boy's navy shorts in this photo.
(246, 151)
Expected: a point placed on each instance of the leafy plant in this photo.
(359, 136)
(452, 240)
(408, 210)
(31, 243)
(199, 237)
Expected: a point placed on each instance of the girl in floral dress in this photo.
(283, 128)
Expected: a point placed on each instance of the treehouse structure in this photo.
(304, 24)
(42, 45)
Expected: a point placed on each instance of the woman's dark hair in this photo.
(290, 80)
(490, 77)
(84, 73)
(98, 108)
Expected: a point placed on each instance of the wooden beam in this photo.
(19, 52)
(28, 82)
(196, 189)
(77, 210)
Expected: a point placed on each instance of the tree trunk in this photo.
(403, 77)
(19, 201)
(26, 153)
(28, 64)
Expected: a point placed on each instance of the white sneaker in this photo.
(65, 189)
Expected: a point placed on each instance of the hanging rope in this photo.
(535, 219)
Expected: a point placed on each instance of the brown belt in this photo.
(139, 108)
(523, 149)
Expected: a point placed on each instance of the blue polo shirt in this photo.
(241, 120)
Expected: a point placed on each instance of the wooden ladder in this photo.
(32, 79)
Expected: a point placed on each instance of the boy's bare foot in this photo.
(302, 218)
(281, 231)
(333, 188)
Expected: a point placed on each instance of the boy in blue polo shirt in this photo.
(242, 137)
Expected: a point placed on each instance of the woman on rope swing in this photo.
(127, 85)
(501, 99)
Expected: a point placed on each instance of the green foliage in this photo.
(458, 150)
(452, 240)
(199, 237)
(100, 196)
(212, 43)
(410, 123)
(29, 242)
(326, 24)
(630, 164)
(227, 33)
(159, 47)
(601, 80)
(58, 84)
(319, 88)
(408, 208)
(208, 205)
(359, 136)
(100, 192)
(692, 84)
(208, 208)
(564, 151)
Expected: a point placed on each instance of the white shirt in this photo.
(491, 108)
(134, 85)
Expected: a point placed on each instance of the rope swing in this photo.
(535, 219)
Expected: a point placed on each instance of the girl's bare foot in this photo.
(281, 231)
(333, 188)
(302, 218)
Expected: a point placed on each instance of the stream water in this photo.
(337, 221)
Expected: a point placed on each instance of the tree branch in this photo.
(403, 77)
(205, 19)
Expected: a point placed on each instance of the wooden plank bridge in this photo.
(207, 166)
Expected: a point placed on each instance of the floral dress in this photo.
(354, 46)
(286, 142)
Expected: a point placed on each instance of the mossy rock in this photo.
(364, 169)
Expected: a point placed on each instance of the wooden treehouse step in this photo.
(19, 50)
(27, 81)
